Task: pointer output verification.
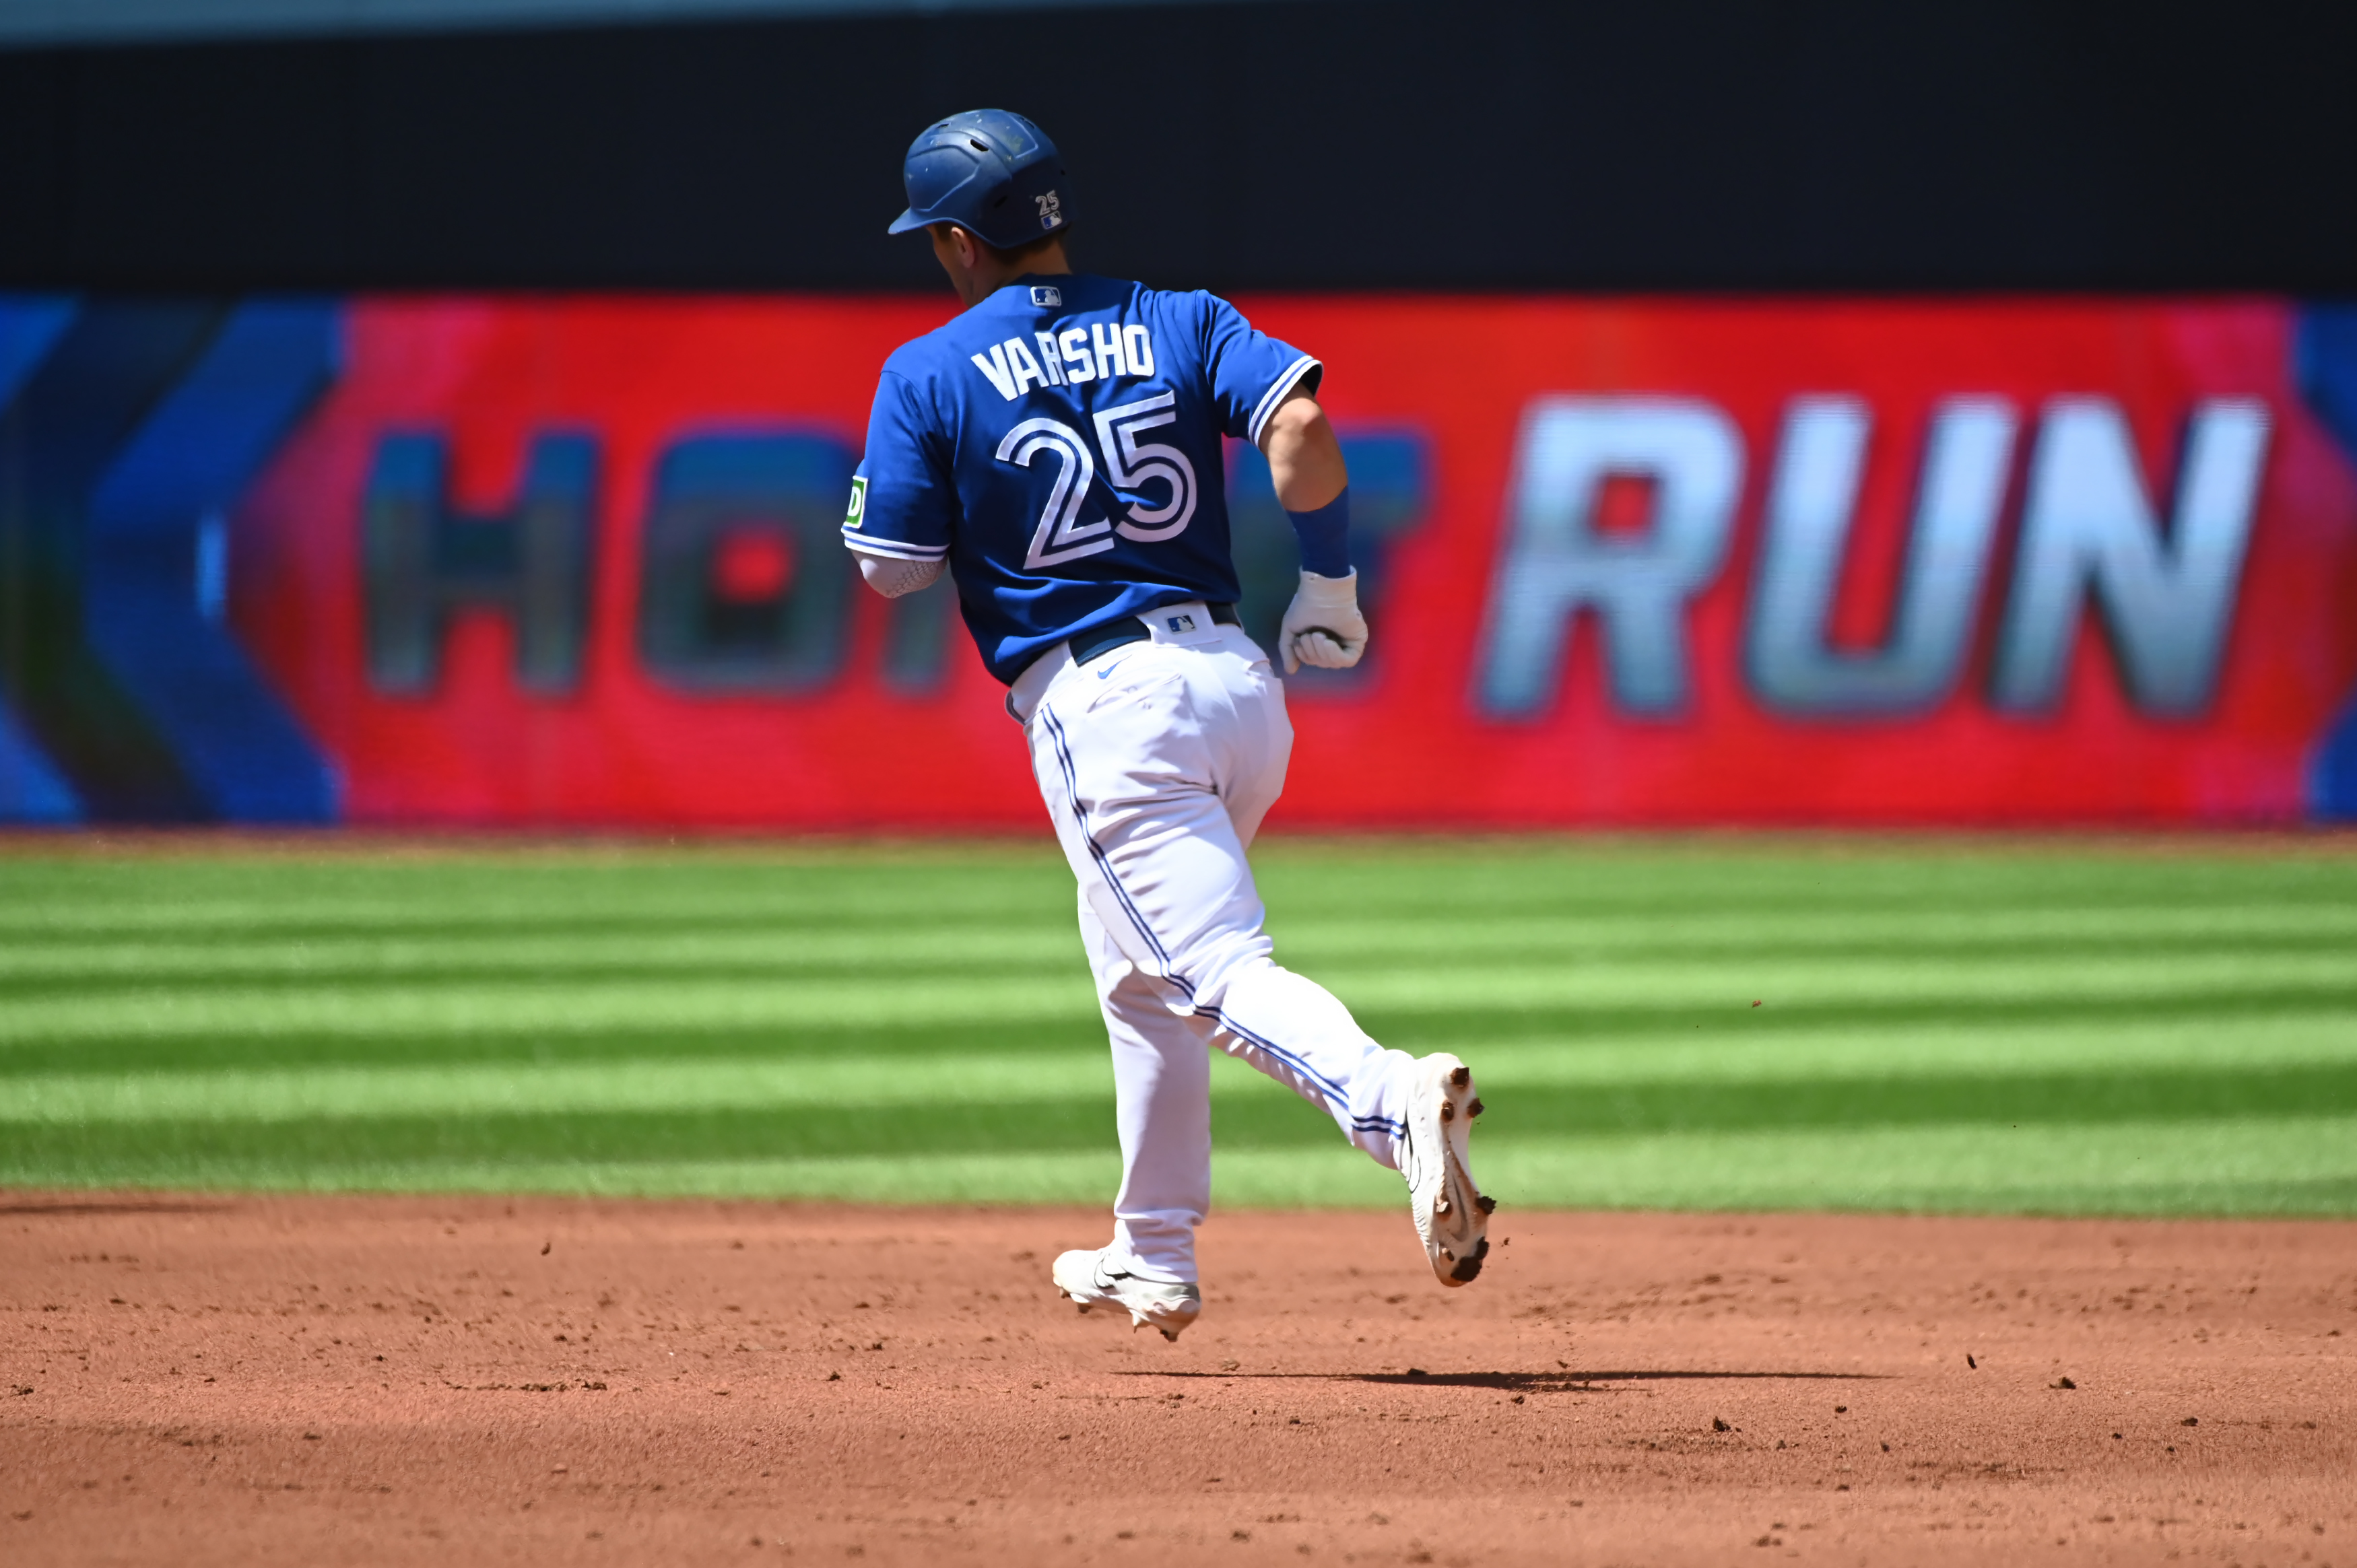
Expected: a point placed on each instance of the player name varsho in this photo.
(1097, 352)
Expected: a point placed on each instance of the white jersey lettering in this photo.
(1027, 373)
(1105, 337)
(994, 369)
(1049, 360)
(1059, 537)
(1132, 465)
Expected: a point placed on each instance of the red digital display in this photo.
(570, 562)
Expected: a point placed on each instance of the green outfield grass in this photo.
(2065, 1027)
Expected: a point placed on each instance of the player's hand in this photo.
(1322, 626)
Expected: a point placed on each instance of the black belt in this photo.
(1104, 639)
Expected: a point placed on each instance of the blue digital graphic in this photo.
(127, 430)
(2324, 357)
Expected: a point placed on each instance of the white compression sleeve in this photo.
(892, 576)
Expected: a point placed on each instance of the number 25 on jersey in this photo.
(1062, 535)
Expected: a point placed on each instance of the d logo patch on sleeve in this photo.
(858, 502)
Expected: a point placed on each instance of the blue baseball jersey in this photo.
(1059, 445)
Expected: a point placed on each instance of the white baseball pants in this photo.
(1157, 761)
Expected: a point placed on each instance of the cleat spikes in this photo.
(1170, 1335)
(1451, 1214)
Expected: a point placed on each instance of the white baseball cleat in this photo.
(1451, 1216)
(1085, 1278)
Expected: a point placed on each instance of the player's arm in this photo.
(1322, 626)
(1304, 458)
(891, 576)
(898, 525)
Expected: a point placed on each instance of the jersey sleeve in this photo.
(1251, 372)
(902, 501)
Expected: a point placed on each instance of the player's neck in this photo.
(989, 274)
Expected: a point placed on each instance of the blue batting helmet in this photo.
(989, 171)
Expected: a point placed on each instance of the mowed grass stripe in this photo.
(440, 889)
(1739, 1060)
(709, 1126)
(1570, 986)
(642, 1085)
(694, 947)
(2252, 1167)
(656, 950)
(2223, 1015)
(1751, 1055)
(548, 1008)
(881, 1046)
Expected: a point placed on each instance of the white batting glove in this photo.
(1322, 626)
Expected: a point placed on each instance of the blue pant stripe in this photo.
(1332, 1090)
(1096, 850)
(1105, 861)
(1325, 1085)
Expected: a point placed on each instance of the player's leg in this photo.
(1161, 1069)
(1156, 781)
(1450, 1213)
(1251, 749)
(1138, 776)
(1162, 1108)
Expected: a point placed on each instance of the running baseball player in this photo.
(1056, 448)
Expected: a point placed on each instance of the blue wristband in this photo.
(1325, 536)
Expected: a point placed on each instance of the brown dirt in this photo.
(463, 1380)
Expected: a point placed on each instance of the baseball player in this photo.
(1056, 448)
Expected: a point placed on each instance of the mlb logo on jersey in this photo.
(1181, 623)
(1053, 298)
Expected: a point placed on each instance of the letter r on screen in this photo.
(1556, 561)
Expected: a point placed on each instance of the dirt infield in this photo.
(470, 1380)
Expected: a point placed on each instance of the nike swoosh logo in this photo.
(1109, 668)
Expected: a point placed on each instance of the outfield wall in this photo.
(573, 562)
